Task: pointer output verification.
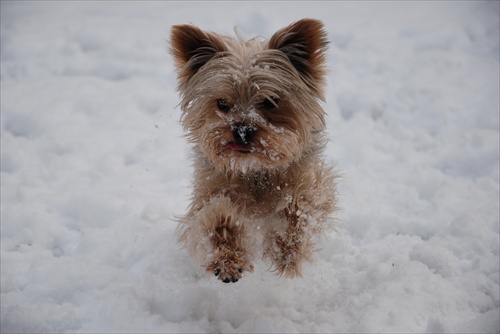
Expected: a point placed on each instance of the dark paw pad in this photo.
(226, 271)
(229, 280)
(229, 275)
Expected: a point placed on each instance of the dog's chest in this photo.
(259, 195)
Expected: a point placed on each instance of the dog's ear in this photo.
(192, 48)
(304, 43)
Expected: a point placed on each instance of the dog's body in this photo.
(252, 112)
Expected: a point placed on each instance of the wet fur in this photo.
(277, 192)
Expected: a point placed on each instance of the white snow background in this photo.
(94, 168)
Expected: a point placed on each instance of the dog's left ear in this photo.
(192, 48)
(304, 43)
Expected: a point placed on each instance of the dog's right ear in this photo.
(192, 48)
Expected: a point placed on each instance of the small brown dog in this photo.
(252, 111)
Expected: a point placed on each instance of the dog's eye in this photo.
(223, 105)
(269, 103)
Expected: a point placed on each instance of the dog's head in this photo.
(252, 105)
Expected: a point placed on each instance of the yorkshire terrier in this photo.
(252, 112)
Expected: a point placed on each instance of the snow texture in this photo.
(95, 168)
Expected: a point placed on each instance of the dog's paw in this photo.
(228, 271)
(287, 258)
(287, 253)
(228, 276)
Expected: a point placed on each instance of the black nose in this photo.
(243, 134)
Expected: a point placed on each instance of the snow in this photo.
(95, 168)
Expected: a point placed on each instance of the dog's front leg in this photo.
(215, 234)
(287, 248)
(300, 223)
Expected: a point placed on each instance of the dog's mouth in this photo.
(240, 148)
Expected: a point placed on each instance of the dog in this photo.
(252, 111)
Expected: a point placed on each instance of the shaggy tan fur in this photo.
(251, 109)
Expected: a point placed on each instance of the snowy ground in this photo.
(94, 168)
